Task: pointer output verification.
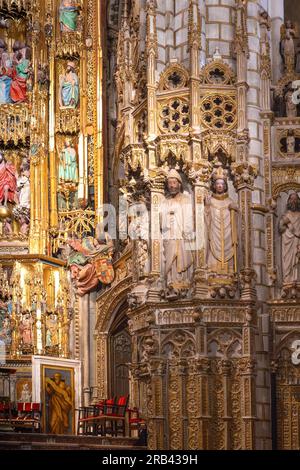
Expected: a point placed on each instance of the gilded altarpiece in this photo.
(51, 168)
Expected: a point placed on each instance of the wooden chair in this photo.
(112, 421)
(88, 423)
(135, 422)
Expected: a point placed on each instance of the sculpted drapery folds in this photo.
(177, 233)
(60, 404)
(68, 168)
(68, 15)
(90, 262)
(8, 181)
(289, 227)
(221, 225)
(69, 87)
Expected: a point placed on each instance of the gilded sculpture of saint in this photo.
(69, 87)
(68, 167)
(289, 228)
(177, 233)
(221, 224)
(8, 181)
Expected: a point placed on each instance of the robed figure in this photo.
(289, 227)
(68, 15)
(221, 225)
(60, 404)
(176, 218)
(69, 87)
(8, 181)
(68, 168)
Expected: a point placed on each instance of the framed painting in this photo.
(58, 399)
(56, 384)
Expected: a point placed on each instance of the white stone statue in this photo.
(176, 219)
(289, 227)
(221, 224)
(287, 45)
(290, 105)
(290, 143)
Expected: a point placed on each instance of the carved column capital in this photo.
(244, 175)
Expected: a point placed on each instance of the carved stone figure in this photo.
(177, 233)
(69, 87)
(8, 181)
(287, 46)
(90, 262)
(68, 169)
(289, 227)
(68, 15)
(221, 223)
(290, 106)
(290, 143)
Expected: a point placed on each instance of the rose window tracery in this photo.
(218, 111)
(174, 116)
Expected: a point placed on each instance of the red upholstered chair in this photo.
(28, 418)
(135, 422)
(112, 420)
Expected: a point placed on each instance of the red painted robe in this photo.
(7, 178)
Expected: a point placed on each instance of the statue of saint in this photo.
(60, 404)
(22, 211)
(6, 330)
(26, 327)
(221, 223)
(20, 74)
(68, 15)
(5, 74)
(69, 87)
(287, 46)
(289, 227)
(290, 143)
(290, 106)
(51, 330)
(177, 230)
(68, 169)
(8, 181)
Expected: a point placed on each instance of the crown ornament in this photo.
(219, 173)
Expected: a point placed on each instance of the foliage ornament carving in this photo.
(244, 174)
